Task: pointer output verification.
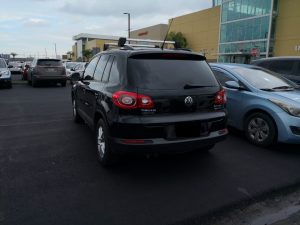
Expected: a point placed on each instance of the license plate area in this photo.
(187, 130)
(51, 70)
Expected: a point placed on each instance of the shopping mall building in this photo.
(237, 30)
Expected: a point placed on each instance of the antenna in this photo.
(162, 47)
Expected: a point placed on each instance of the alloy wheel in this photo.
(258, 129)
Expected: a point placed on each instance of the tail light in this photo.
(131, 100)
(220, 98)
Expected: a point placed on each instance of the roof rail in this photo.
(131, 44)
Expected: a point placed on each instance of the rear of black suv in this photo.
(165, 101)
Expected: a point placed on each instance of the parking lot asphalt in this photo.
(49, 173)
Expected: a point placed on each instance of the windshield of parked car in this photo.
(2, 64)
(47, 62)
(170, 71)
(70, 65)
(263, 79)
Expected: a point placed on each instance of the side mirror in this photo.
(232, 85)
(75, 77)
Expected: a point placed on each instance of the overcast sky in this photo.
(29, 27)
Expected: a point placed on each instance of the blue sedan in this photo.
(265, 105)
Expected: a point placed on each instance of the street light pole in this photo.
(128, 14)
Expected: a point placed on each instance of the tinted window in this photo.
(107, 69)
(261, 78)
(2, 64)
(47, 62)
(282, 67)
(114, 77)
(101, 67)
(171, 72)
(222, 77)
(298, 69)
(264, 64)
(89, 71)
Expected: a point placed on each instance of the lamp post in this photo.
(128, 14)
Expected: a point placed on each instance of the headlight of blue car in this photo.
(290, 109)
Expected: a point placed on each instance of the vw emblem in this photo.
(188, 101)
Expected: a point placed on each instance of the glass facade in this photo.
(244, 30)
(217, 2)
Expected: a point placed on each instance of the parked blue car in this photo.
(265, 105)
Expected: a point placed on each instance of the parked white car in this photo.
(15, 67)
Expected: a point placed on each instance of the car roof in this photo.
(136, 51)
(278, 58)
(48, 59)
(233, 65)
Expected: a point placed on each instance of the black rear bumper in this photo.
(161, 145)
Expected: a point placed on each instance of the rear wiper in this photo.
(190, 86)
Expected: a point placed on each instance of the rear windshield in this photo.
(47, 62)
(171, 71)
(2, 64)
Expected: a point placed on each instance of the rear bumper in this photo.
(161, 145)
(58, 78)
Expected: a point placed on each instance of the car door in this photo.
(94, 88)
(83, 86)
(234, 98)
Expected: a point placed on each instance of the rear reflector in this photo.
(224, 131)
(131, 141)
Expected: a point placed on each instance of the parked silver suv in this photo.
(47, 70)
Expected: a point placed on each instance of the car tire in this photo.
(105, 155)
(76, 117)
(260, 129)
(63, 84)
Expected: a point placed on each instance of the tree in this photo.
(178, 38)
(87, 53)
(14, 54)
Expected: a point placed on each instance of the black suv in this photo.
(149, 100)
